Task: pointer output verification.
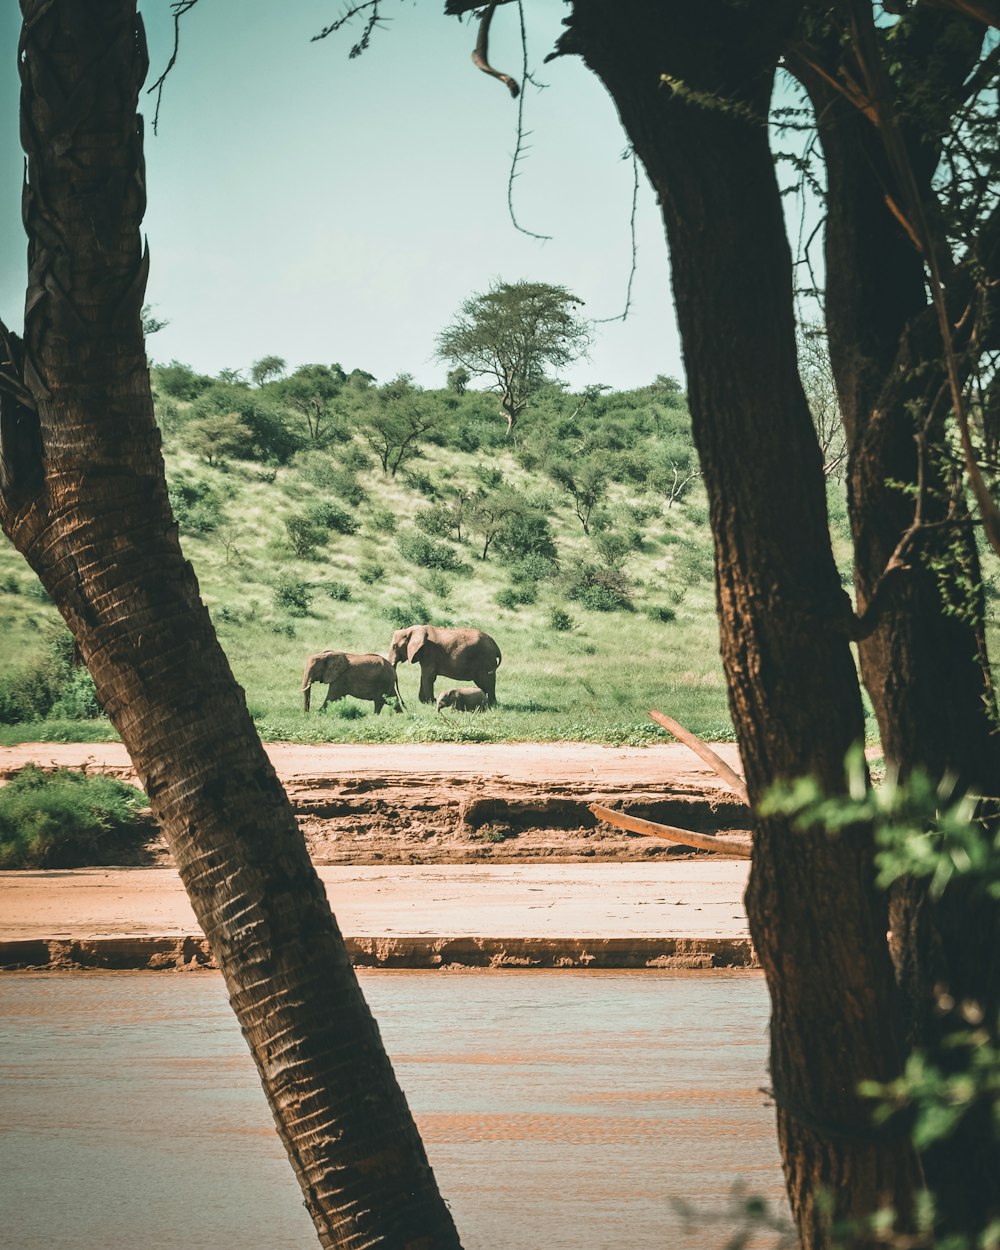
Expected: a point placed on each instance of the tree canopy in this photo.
(510, 334)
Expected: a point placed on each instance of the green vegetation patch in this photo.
(66, 819)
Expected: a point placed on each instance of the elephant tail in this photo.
(395, 682)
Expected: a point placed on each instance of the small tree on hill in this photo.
(266, 368)
(394, 422)
(510, 333)
(311, 391)
(585, 481)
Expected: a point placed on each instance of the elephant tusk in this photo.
(670, 833)
(705, 752)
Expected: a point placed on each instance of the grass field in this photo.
(569, 672)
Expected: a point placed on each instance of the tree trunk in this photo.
(817, 922)
(925, 666)
(84, 499)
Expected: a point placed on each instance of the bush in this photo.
(180, 381)
(322, 471)
(196, 505)
(532, 568)
(329, 516)
(340, 591)
(64, 819)
(489, 477)
(526, 533)
(9, 585)
(514, 596)
(560, 619)
(357, 459)
(371, 572)
(428, 554)
(438, 520)
(421, 483)
(292, 595)
(600, 590)
(660, 612)
(51, 680)
(412, 612)
(304, 536)
(383, 521)
(438, 585)
(615, 548)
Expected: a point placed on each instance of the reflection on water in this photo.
(559, 1109)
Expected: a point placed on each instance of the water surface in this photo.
(560, 1110)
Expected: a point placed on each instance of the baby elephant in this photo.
(468, 700)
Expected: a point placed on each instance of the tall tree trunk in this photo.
(925, 665)
(817, 922)
(84, 499)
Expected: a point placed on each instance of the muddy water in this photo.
(559, 1109)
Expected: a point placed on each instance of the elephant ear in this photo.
(415, 643)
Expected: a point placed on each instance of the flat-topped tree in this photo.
(510, 334)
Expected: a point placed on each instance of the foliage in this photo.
(586, 483)
(600, 590)
(266, 368)
(196, 504)
(560, 620)
(179, 381)
(218, 437)
(413, 611)
(428, 554)
(312, 392)
(49, 685)
(292, 595)
(339, 591)
(65, 819)
(510, 333)
(394, 421)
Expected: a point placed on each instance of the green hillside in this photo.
(302, 541)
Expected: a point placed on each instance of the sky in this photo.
(325, 209)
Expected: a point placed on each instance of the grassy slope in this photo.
(594, 682)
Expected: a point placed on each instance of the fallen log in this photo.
(740, 847)
(728, 775)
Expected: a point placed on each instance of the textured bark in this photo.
(817, 922)
(92, 517)
(925, 667)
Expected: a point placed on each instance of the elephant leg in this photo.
(427, 678)
(487, 683)
(379, 704)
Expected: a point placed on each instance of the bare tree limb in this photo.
(670, 833)
(705, 752)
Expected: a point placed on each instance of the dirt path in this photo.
(439, 803)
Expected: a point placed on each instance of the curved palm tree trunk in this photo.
(84, 498)
(816, 920)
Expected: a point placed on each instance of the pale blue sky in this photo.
(325, 209)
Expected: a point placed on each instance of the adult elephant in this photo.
(362, 676)
(468, 654)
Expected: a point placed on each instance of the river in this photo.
(559, 1109)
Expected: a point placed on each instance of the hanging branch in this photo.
(179, 8)
(916, 219)
(599, 321)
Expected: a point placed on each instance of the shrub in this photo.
(695, 562)
(411, 612)
(428, 554)
(438, 520)
(614, 548)
(180, 381)
(383, 521)
(305, 537)
(35, 590)
(330, 516)
(660, 612)
(196, 504)
(339, 591)
(560, 619)
(357, 459)
(438, 584)
(531, 568)
(323, 472)
(525, 533)
(514, 596)
(371, 572)
(489, 477)
(600, 590)
(292, 595)
(64, 819)
(9, 585)
(421, 483)
(51, 679)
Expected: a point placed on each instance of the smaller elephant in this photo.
(362, 676)
(468, 700)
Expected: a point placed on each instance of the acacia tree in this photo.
(84, 498)
(394, 420)
(510, 333)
